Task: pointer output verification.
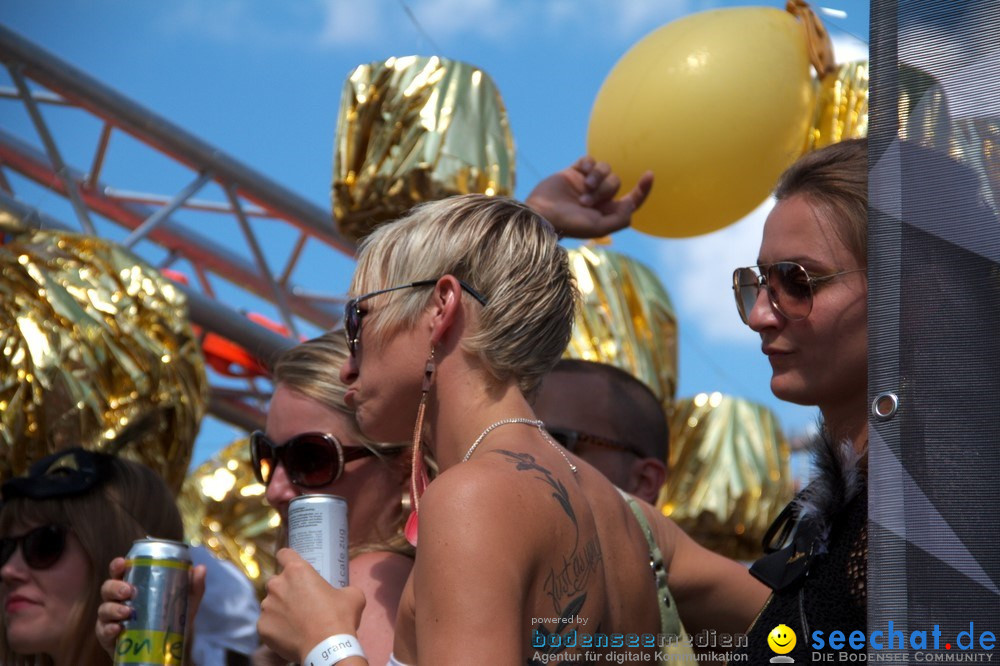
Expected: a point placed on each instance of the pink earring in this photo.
(418, 470)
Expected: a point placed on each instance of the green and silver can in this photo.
(158, 570)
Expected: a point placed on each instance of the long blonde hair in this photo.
(312, 369)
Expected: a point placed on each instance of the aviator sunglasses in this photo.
(41, 547)
(353, 314)
(571, 439)
(789, 286)
(311, 459)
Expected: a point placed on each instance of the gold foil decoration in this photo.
(10, 223)
(976, 143)
(923, 109)
(93, 340)
(224, 509)
(729, 473)
(924, 119)
(416, 129)
(841, 106)
(625, 319)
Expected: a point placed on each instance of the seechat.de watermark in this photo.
(890, 645)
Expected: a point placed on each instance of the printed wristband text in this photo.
(332, 650)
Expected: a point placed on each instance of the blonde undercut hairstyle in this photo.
(501, 248)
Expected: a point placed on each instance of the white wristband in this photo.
(332, 650)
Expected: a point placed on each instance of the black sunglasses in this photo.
(41, 547)
(789, 286)
(353, 314)
(571, 439)
(311, 459)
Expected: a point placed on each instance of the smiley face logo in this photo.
(781, 640)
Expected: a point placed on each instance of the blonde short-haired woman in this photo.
(459, 309)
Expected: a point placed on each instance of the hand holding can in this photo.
(158, 571)
(317, 530)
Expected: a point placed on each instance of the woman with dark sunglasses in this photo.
(525, 552)
(312, 445)
(61, 525)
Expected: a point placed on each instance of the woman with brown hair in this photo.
(61, 525)
(807, 299)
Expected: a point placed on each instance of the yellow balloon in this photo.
(717, 104)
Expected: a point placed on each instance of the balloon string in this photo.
(818, 41)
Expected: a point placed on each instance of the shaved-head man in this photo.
(611, 420)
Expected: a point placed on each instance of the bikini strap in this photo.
(670, 623)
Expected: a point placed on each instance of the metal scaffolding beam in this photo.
(76, 86)
(232, 251)
(202, 252)
(264, 343)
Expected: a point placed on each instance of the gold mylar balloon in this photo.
(729, 474)
(716, 104)
(224, 509)
(416, 129)
(93, 341)
(625, 319)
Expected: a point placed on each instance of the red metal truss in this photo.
(40, 79)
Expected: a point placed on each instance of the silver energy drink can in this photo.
(158, 570)
(317, 530)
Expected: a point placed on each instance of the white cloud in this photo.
(352, 23)
(486, 18)
(327, 24)
(317, 24)
(224, 21)
(346, 22)
(561, 10)
(701, 268)
(636, 16)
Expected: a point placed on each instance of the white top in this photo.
(227, 617)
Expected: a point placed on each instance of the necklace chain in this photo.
(538, 424)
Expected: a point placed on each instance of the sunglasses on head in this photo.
(63, 474)
(311, 459)
(41, 547)
(789, 287)
(353, 314)
(571, 439)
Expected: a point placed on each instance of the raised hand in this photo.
(580, 200)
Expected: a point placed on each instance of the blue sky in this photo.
(262, 80)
